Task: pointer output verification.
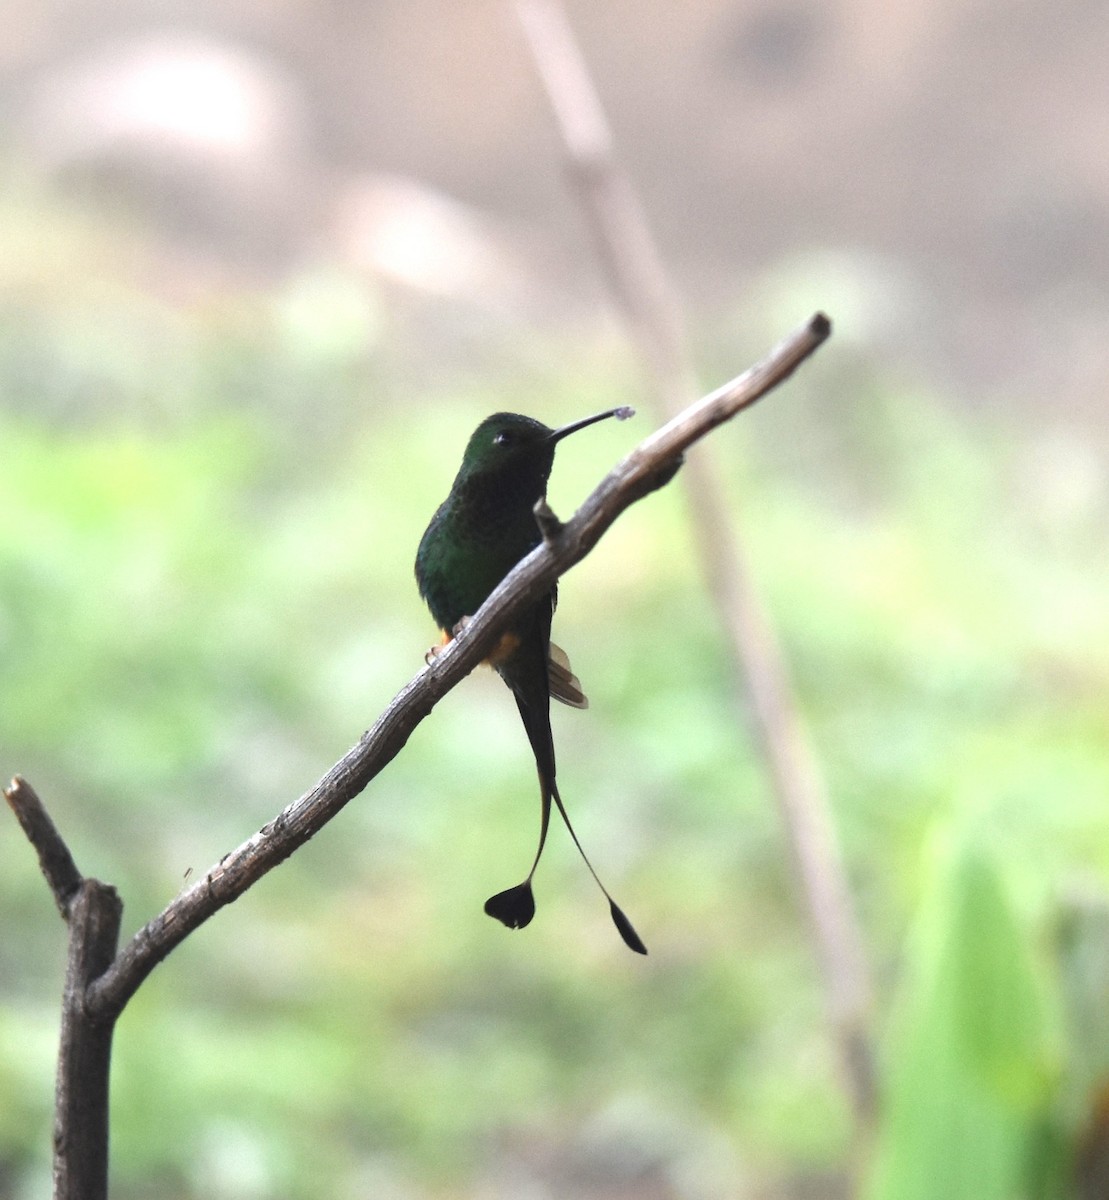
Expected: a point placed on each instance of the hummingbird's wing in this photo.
(565, 685)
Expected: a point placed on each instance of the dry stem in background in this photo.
(643, 293)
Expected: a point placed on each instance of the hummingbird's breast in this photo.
(475, 538)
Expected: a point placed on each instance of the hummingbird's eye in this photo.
(504, 438)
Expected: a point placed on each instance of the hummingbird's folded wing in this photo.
(565, 685)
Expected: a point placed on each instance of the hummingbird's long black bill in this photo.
(621, 414)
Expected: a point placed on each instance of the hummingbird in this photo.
(485, 526)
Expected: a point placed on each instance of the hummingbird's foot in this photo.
(514, 907)
(448, 637)
(549, 525)
(433, 652)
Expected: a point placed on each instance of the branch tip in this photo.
(55, 860)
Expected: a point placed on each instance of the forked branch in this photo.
(99, 982)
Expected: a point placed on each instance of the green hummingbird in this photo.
(485, 526)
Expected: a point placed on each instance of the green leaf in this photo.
(974, 1058)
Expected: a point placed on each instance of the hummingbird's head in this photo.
(509, 443)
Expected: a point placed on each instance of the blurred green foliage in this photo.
(209, 519)
(976, 1055)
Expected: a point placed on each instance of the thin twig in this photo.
(54, 857)
(648, 466)
(643, 292)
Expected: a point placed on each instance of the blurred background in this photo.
(263, 268)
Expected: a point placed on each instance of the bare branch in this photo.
(648, 466)
(641, 288)
(54, 857)
(99, 982)
(92, 911)
(85, 1051)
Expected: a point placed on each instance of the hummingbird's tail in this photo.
(627, 932)
(515, 907)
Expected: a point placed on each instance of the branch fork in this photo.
(100, 979)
